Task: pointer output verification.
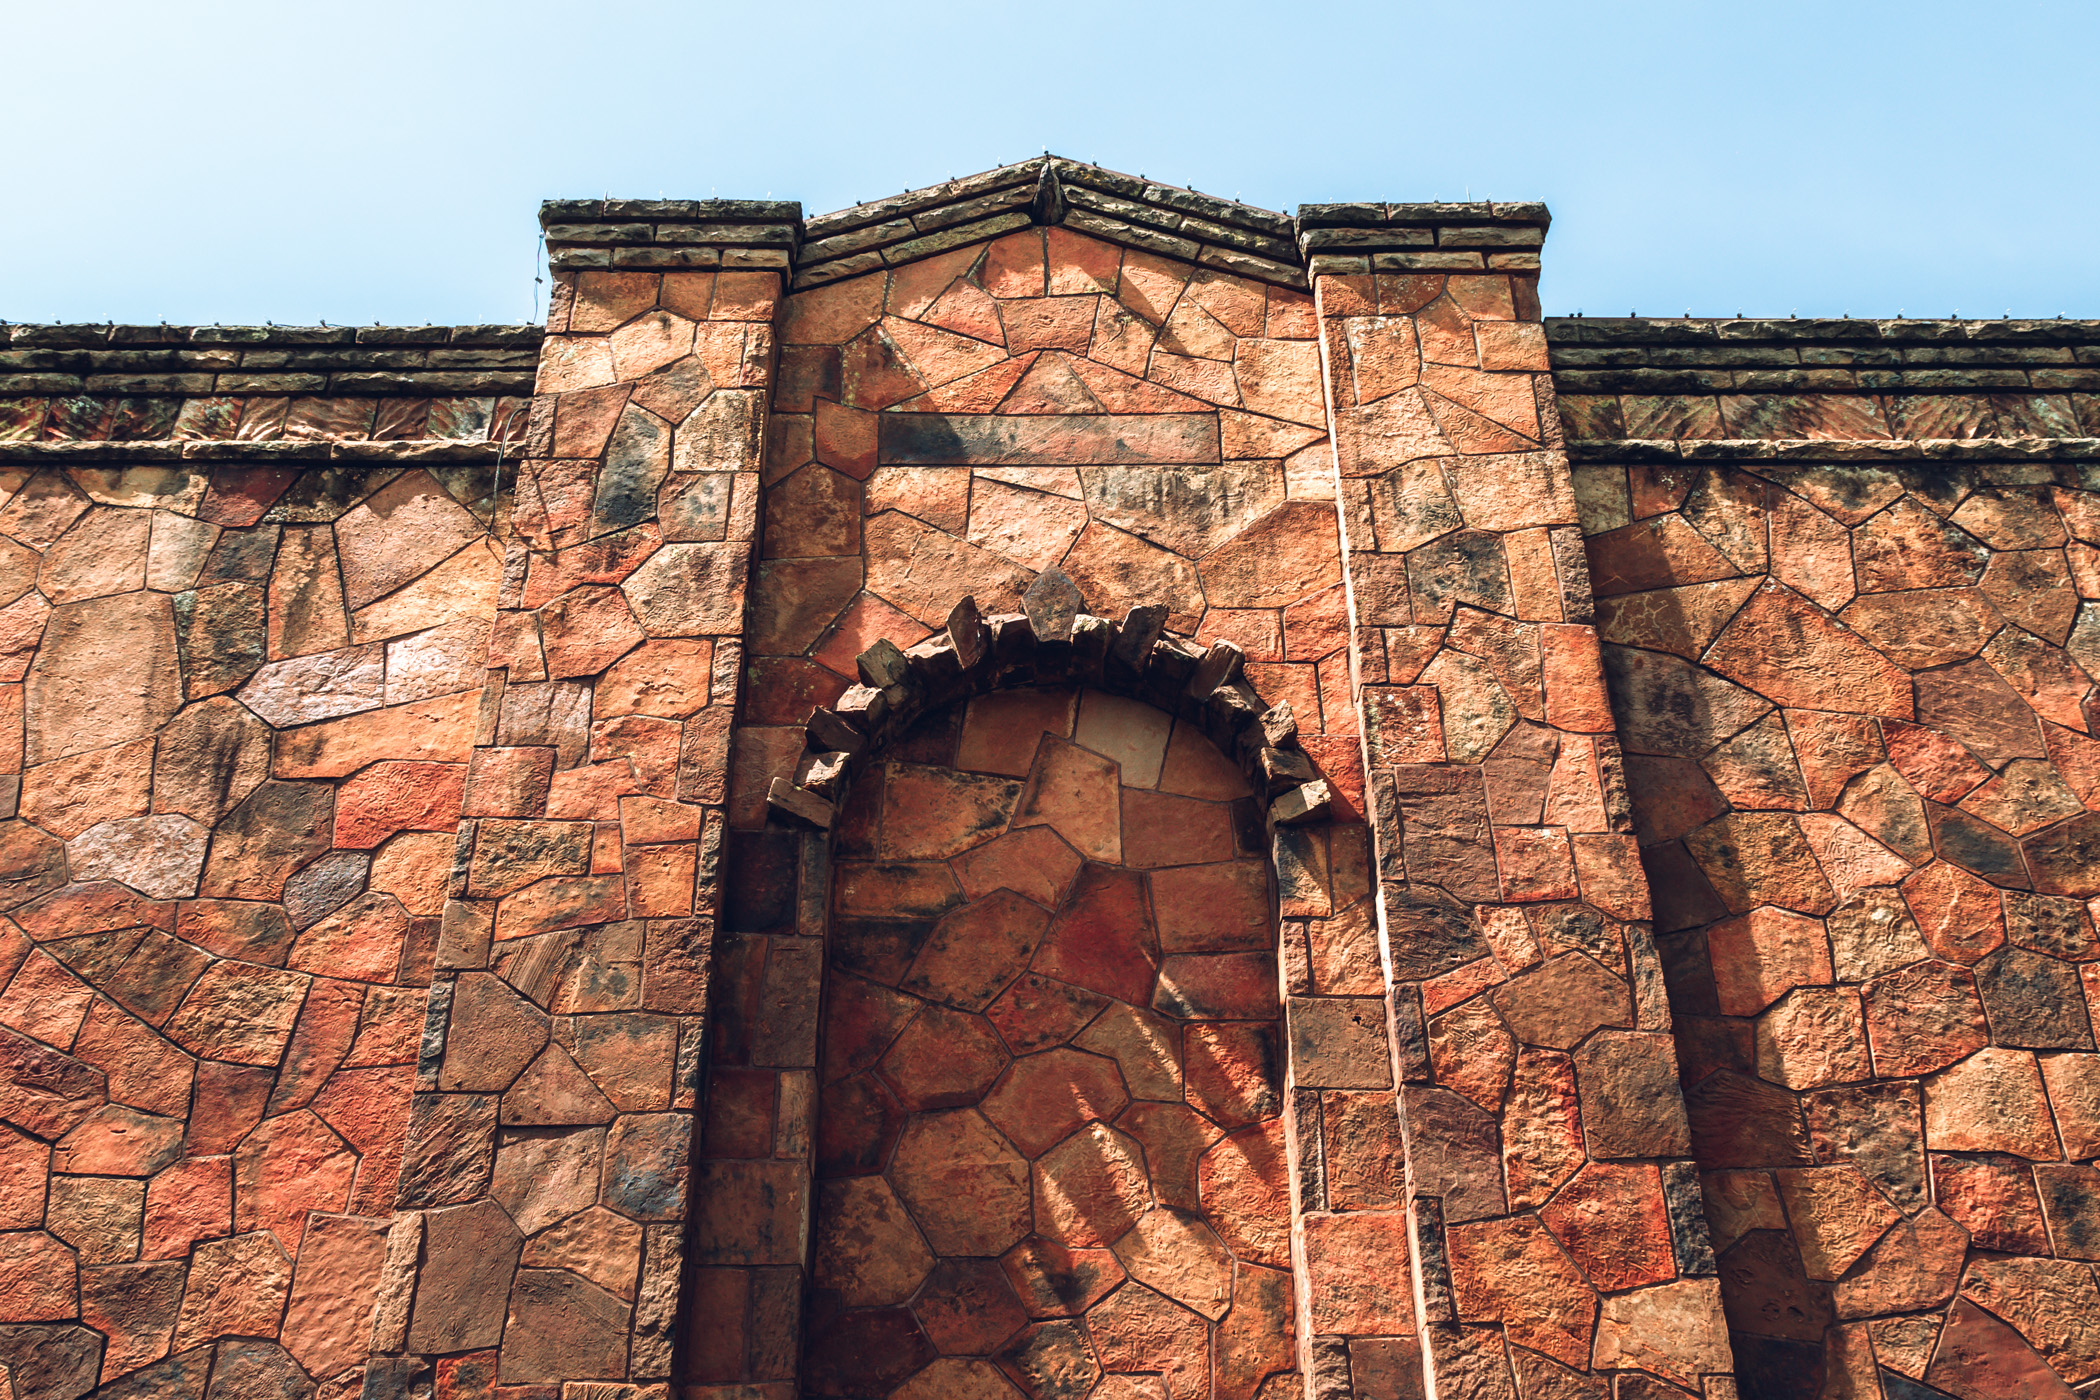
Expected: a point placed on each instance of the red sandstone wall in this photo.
(246, 1140)
(1858, 709)
(249, 696)
(1050, 1135)
(1156, 432)
(548, 1216)
(1555, 1215)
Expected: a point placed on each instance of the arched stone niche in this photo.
(1051, 1134)
(1050, 1140)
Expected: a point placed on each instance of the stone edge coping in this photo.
(1426, 237)
(247, 361)
(1048, 190)
(1430, 214)
(1843, 380)
(1169, 219)
(670, 234)
(1068, 173)
(267, 453)
(1715, 330)
(110, 336)
(1052, 190)
(341, 384)
(1757, 355)
(1813, 450)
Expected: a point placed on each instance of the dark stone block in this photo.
(1444, 838)
(1689, 1240)
(878, 949)
(1897, 1386)
(1466, 567)
(863, 1352)
(1430, 935)
(2046, 924)
(182, 1377)
(450, 1153)
(561, 1328)
(1976, 846)
(1738, 1121)
(857, 1124)
(2065, 859)
(1769, 1297)
(325, 886)
(2071, 1204)
(1684, 898)
(920, 439)
(758, 869)
(252, 1370)
(2033, 1001)
(52, 1362)
(1457, 1154)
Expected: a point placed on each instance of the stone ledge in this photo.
(438, 384)
(1782, 353)
(669, 234)
(1705, 330)
(248, 361)
(690, 211)
(193, 362)
(1819, 379)
(1359, 214)
(1436, 237)
(23, 336)
(874, 213)
(1980, 449)
(1072, 174)
(271, 452)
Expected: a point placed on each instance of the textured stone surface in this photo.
(1931, 746)
(298, 974)
(1854, 693)
(1672, 1329)
(1057, 1127)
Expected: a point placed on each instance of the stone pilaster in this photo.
(1555, 1218)
(545, 1199)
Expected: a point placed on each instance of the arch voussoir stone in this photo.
(1054, 642)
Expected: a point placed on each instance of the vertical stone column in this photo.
(1356, 1321)
(1556, 1219)
(544, 1201)
(753, 1178)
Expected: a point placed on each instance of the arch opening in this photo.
(1050, 1151)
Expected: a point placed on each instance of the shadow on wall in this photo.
(1858, 705)
(1050, 1143)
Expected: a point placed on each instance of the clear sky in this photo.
(382, 160)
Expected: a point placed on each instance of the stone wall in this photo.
(1840, 573)
(1225, 720)
(1148, 434)
(240, 706)
(1556, 1222)
(1051, 1114)
(562, 1071)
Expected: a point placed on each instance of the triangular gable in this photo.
(1051, 190)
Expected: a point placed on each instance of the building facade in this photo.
(1050, 787)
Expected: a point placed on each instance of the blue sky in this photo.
(384, 161)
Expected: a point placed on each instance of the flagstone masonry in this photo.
(1050, 787)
